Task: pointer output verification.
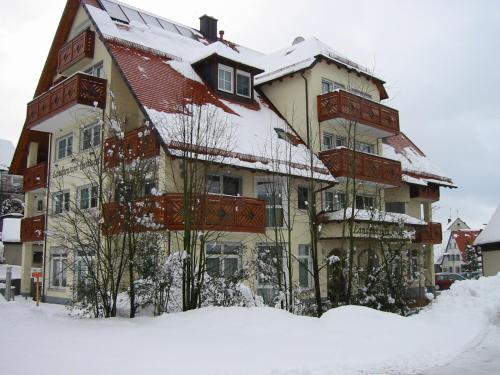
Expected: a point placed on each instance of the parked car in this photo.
(471, 275)
(444, 280)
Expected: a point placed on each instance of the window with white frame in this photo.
(223, 259)
(334, 200)
(97, 70)
(85, 268)
(61, 202)
(270, 267)
(90, 136)
(220, 184)
(331, 141)
(88, 197)
(305, 266)
(64, 146)
(329, 86)
(272, 193)
(225, 78)
(361, 93)
(58, 268)
(364, 147)
(365, 202)
(243, 83)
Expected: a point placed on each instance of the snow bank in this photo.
(348, 340)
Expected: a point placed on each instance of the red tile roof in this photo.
(464, 238)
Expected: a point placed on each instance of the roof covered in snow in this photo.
(416, 166)
(373, 215)
(11, 229)
(490, 234)
(6, 152)
(157, 64)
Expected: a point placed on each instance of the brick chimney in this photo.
(208, 27)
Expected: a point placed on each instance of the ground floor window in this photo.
(272, 193)
(223, 259)
(270, 271)
(58, 268)
(84, 270)
(305, 266)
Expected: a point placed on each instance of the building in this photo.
(301, 117)
(11, 186)
(488, 243)
(10, 237)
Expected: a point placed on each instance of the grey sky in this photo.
(439, 58)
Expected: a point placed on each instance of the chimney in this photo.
(208, 27)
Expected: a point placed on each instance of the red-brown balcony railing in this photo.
(428, 193)
(213, 212)
(80, 88)
(76, 49)
(429, 234)
(137, 143)
(343, 162)
(35, 177)
(342, 104)
(33, 228)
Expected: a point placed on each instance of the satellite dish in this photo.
(297, 40)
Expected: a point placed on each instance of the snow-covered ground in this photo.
(349, 340)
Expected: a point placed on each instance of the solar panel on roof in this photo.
(150, 20)
(114, 10)
(184, 31)
(168, 26)
(133, 15)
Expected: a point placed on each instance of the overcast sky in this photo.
(439, 58)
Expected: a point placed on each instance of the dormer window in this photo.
(243, 83)
(226, 78)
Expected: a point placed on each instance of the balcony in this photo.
(429, 193)
(430, 234)
(35, 178)
(33, 229)
(138, 143)
(77, 49)
(341, 104)
(215, 213)
(65, 102)
(343, 162)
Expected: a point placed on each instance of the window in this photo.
(330, 141)
(364, 147)
(97, 70)
(243, 84)
(58, 268)
(329, 86)
(150, 187)
(397, 207)
(271, 192)
(223, 259)
(361, 93)
(39, 205)
(305, 262)
(303, 198)
(413, 264)
(364, 202)
(270, 268)
(64, 146)
(334, 200)
(90, 137)
(227, 185)
(88, 197)
(61, 202)
(85, 269)
(225, 78)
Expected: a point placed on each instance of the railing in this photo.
(80, 88)
(33, 228)
(213, 212)
(428, 193)
(341, 104)
(138, 143)
(76, 49)
(343, 162)
(430, 234)
(35, 177)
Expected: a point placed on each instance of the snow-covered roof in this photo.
(11, 229)
(440, 249)
(300, 56)
(416, 166)
(157, 64)
(373, 215)
(6, 152)
(491, 233)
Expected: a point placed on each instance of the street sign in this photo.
(36, 275)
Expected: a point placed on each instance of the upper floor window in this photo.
(333, 141)
(88, 197)
(61, 202)
(334, 200)
(271, 192)
(303, 198)
(97, 70)
(227, 185)
(90, 136)
(365, 202)
(243, 83)
(64, 146)
(396, 207)
(225, 78)
(150, 187)
(329, 86)
(364, 147)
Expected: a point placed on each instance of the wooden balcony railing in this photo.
(80, 88)
(76, 49)
(342, 104)
(430, 234)
(343, 162)
(138, 143)
(35, 177)
(33, 228)
(428, 193)
(214, 212)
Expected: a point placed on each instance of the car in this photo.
(472, 275)
(444, 280)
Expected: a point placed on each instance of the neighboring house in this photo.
(10, 227)
(302, 95)
(488, 243)
(11, 186)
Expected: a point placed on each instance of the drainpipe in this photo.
(47, 202)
